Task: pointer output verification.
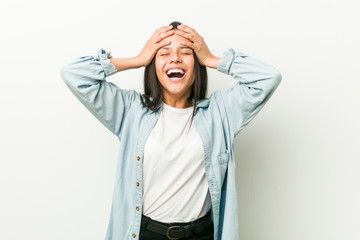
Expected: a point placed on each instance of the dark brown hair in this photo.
(152, 96)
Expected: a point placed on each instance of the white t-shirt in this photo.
(175, 188)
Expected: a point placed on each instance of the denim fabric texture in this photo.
(218, 119)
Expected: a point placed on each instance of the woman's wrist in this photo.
(123, 64)
(213, 62)
(139, 61)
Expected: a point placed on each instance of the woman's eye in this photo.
(164, 54)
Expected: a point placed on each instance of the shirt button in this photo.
(134, 235)
(138, 158)
(137, 208)
(137, 184)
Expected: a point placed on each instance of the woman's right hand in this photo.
(154, 43)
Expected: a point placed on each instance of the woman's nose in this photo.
(175, 57)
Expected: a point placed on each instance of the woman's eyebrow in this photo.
(167, 48)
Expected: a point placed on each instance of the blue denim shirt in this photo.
(218, 120)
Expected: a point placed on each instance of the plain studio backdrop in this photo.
(297, 162)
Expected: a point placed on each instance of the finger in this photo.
(185, 28)
(163, 35)
(189, 44)
(189, 33)
(188, 36)
(160, 31)
(162, 44)
(164, 28)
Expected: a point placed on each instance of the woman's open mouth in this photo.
(175, 74)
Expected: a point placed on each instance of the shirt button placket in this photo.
(137, 184)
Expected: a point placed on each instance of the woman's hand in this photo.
(197, 43)
(154, 43)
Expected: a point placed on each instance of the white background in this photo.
(297, 161)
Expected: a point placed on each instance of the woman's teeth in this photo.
(175, 70)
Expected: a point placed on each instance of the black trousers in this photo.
(147, 234)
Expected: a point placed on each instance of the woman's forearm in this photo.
(122, 64)
(213, 62)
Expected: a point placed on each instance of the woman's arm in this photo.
(122, 64)
(256, 82)
(86, 78)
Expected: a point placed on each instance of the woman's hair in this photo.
(152, 96)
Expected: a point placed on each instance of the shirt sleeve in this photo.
(256, 82)
(86, 78)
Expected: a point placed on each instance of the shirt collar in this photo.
(202, 103)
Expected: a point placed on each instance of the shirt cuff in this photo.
(108, 67)
(227, 60)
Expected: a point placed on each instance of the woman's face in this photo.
(174, 65)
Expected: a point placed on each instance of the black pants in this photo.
(147, 234)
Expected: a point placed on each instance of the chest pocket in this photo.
(223, 159)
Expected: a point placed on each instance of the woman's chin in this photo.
(177, 91)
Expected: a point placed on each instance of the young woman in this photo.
(175, 177)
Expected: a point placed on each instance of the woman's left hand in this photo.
(197, 43)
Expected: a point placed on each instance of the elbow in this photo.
(277, 78)
(273, 81)
(68, 74)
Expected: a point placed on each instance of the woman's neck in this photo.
(178, 103)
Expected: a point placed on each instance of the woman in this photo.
(175, 177)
